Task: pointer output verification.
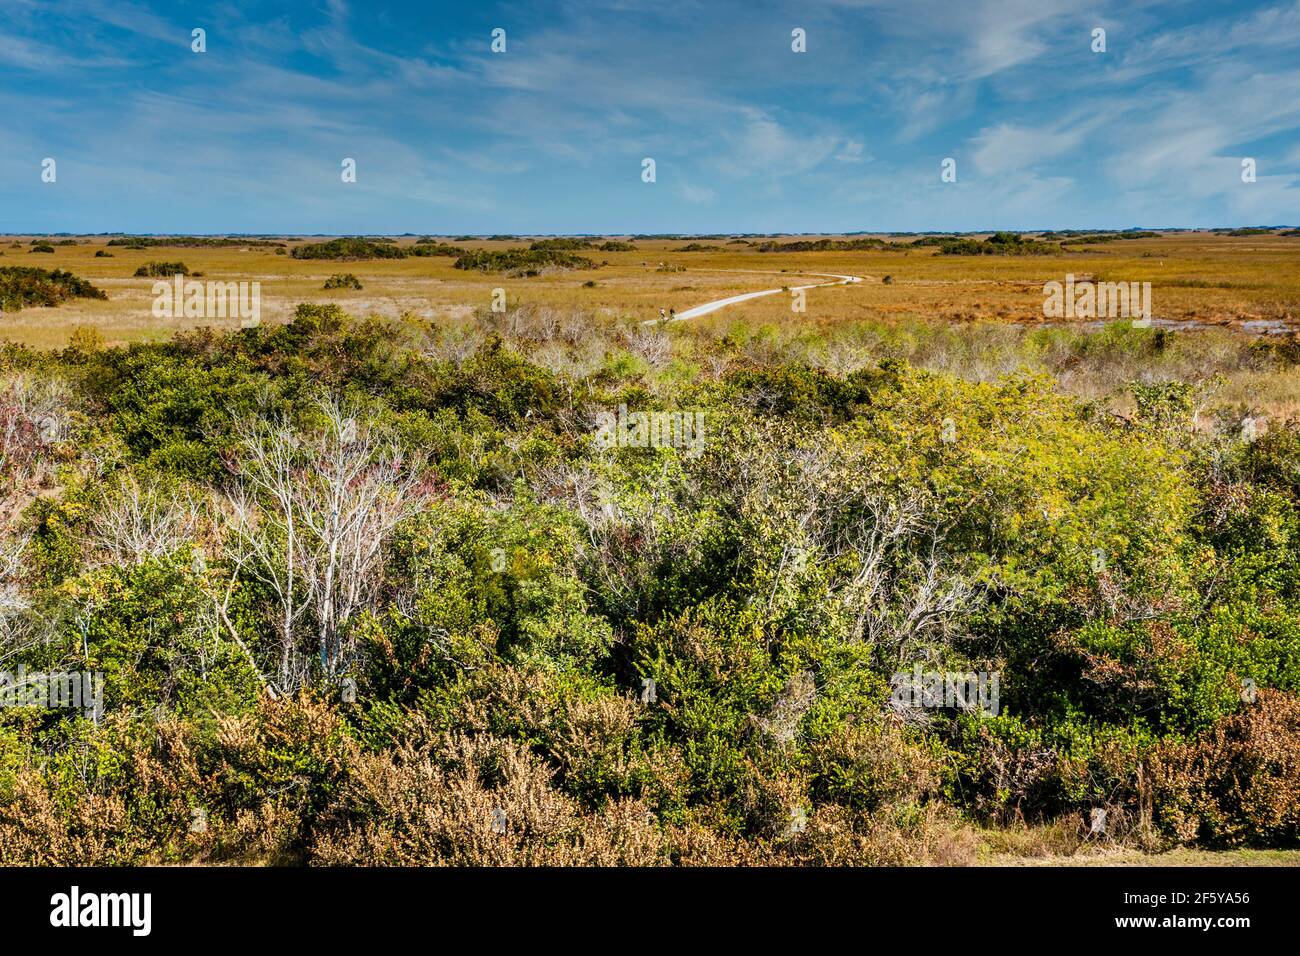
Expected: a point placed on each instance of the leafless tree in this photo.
(843, 357)
(717, 365)
(653, 345)
(15, 632)
(135, 523)
(310, 517)
(453, 340)
(901, 591)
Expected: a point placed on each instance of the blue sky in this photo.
(549, 136)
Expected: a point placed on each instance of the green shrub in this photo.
(644, 652)
(998, 244)
(522, 262)
(23, 287)
(422, 249)
(343, 281)
(561, 245)
(348, 248)
(824, 245)
(193, 242)
(155, 270)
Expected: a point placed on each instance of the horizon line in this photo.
(647, 235)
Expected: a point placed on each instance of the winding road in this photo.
(707, 307)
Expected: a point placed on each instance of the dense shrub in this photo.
(998, 244)
(823, 245)
(1238, 784)
(434, 249)
(523, 262)
(562, 245)
(548, 647)
(193, 242)
(348, 248)
(21, 286)
(162, 270)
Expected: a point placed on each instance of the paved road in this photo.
(707, 307)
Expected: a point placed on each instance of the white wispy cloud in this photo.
(696, 194)
(742, 127)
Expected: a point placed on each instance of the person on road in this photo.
(672, 315)
(662, 316)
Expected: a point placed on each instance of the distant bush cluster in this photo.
(193, 242)
(354, 248)
(562, 244)
(162, 269)
(998, 244)
(1088, 239)
(381, 248)
(431, 247)
(523, 262)
(569, 244)
(343, 281)
(824, 245)
(22, 286)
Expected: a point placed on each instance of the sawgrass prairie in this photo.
(1219, 300)
(1249, 283)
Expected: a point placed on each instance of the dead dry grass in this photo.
(1127, 857)
(1195, 278)
(976, 317)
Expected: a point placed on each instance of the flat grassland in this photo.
(1250, 283)
(1225, 309)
